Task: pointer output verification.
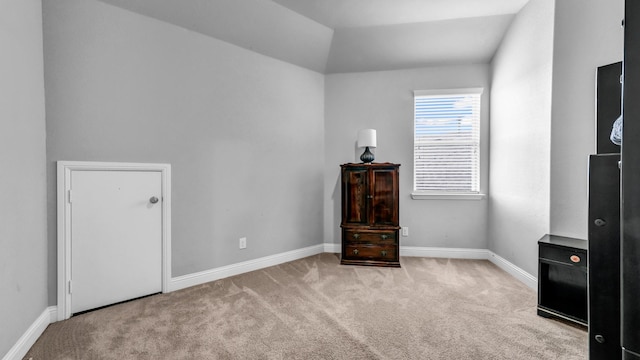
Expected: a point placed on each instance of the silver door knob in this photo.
(153, 200)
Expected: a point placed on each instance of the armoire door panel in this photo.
(384, 197)
(355, 187)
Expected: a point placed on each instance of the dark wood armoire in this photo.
(370, 214)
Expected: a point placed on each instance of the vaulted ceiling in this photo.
(334, 36)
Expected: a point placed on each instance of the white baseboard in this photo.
(457, 253)
(26, 341)
(332, 248)
(524, 277)
(49, 315)
(450, 253)
(480, 254)
(222, 272)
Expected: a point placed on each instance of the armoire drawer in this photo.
(369, 236)
(371, 252)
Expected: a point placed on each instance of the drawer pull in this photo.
(575, 258)
(383, 252)
(384, 236)
(356, 236)
(355, 251)
(600, 222)
(600, 339)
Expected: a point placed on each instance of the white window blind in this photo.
(447, 141)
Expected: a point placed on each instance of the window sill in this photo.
(433, 196)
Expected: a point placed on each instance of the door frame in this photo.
(64, 170)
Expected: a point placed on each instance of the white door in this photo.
(116, 236)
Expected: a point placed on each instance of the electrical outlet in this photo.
(405, 231)
(243, 243)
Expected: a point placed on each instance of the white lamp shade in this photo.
(367, 137)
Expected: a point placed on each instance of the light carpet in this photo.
(314, 308)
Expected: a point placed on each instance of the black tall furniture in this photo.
(608, 105)
(631, 184)
(562, 278)
(604, 257)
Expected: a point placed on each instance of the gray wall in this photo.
(543, 121)
(384, 101)
(243, 132)
(521, 136)
(23, 243)
(587, 35)
(237, 128)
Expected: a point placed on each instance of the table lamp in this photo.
(367, 139)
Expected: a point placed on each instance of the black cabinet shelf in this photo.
(562, 278)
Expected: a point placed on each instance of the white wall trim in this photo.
(451, 253)
(64, 169)
(332, 248)
(479, 254)
(222, 272)
(202, 277)
(417, 195)
(50, 314)
(26, 341)
(524, 277)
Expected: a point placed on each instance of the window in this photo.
(446, 147)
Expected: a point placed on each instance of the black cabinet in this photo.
(562, 278)
(630, 242)
(604, 257)
(608, 105)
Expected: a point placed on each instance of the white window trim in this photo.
(430, 195)
(431, 92)
(420, 195)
